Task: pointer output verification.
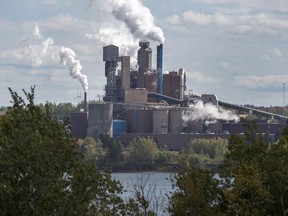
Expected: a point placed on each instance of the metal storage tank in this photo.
(119, 127)
(139, 121)
(100, 119)
(160, 121)
(176, 123)
(79, 124)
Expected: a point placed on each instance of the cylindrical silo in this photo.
(119, 127)
(160, 121)
(79, 124)
(176, 123)
(100, 119)
(139, 121)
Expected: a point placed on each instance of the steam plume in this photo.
(68, 58)
(138, 19)
(208, 112)
(122, 38)
(40, 49)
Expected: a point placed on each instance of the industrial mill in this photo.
(151, 103)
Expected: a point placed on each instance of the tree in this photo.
(276, 175)
(41, 172)
(114, 149)
(196, 192)
(143, 152)
(92, 149)
(254, 180)
(206, 153)
(244, 187)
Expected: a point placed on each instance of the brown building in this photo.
(172, 84)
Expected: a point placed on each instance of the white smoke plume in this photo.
(137, 18)
(207, 112)
(68, 58)
(137, 23)
(35, 35)
(37, 52)
(122, 38)
(39, 49)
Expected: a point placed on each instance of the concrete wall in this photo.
(136, 96)
(125, 72)
(160, 121)
(176, 121)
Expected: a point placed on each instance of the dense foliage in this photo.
(206, 153)
(254, 180)
(42, 173)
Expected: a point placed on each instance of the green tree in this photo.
(41, 172)
(114, 149)
(142, 152)
(276, 167)
(207, 153)
(246, 192)
(197, 192)
(254, 180)
(92, 149)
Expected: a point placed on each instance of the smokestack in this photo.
(160, 68)
(85, 101)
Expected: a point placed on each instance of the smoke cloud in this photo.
(39, 49)
(207, 112)
(138, 19)
(68, 58)
(127, 43)
(37, 52)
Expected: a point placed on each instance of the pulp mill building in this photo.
(145, 102)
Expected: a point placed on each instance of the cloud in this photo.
(249, 24)
(198, 77)
(273, 54)
(7, 26)
(46, 2)
(274, 6)
(230, 68)
(61, 23)
(52, 2)
(174, 20)
(268, 82)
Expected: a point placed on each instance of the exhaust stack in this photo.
(160, 68)
(85, 101)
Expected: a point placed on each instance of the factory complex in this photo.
(147, 102)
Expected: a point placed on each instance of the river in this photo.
(156, 187)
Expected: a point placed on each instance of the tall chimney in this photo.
(160, 68)
(85, 101)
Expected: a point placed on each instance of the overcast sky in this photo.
(236, 49)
